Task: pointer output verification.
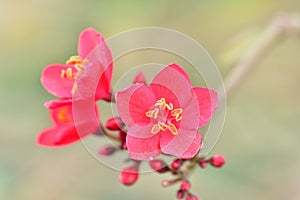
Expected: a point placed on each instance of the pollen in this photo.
(163, 115)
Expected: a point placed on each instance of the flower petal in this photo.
(179, 144)
(58, 136)
(88, 40)
(56, 103)
(190, 115)
(140, 131)
(181, 71)
(53, 82)
(143, 148)
(194, 147)
(98, 71)
(133, 103)
(140, 78)
(173, 84)
(86, 116)
(208, 102)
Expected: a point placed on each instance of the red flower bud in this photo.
(185, 185)
(107, 150)
(180, 194)
(203, 163)
(159, 166)
(176, 164)
(191, 197)
(217, 161)
(140, 78)
(114, 123)
(129, 175)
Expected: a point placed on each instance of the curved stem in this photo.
(281, 25)
(287, 25)
(102, 131)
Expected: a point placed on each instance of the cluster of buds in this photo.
(181, 168)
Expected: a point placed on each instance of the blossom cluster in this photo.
(162, 116)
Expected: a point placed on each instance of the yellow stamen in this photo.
(169, 106)
(173, 129)
(63, 74)
(161, 103)
(69, 73)
(75, 88)
(155, 129)
(152, 113)
(160, 106)
(177, 113)
(162, 126)
(74, 60)
(79, 67)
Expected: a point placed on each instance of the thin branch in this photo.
(287, 25)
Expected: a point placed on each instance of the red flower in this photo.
(64, 131)
(164, 116)
(63, 80)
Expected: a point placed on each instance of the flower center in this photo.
(79, 65)
(64, 116)
(76, 61)
(164, 115)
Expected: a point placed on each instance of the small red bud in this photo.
(185, 185)
(191, 197)
(159, 166)
(176, 164)
(129, 175)
(107, 150)
(114, 123)
(217, 161)
(180, 194)
(140, 78)
(203, 163)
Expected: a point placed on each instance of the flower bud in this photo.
(217, 161)
(185, 185)
(140, 78)
(107, 150)
(159, 166)
(129, 175)
(191, 197)
(176, 164)
(180, 194)
(203, 163)
(114, 123)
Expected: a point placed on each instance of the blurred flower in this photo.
(164, 116)
(62, 80)
(64, 131)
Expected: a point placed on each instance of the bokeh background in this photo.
(261, 136)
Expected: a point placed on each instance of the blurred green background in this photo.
(261, 135)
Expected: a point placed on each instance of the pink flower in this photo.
(63, 80)
(164, 116)
(65, 130)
